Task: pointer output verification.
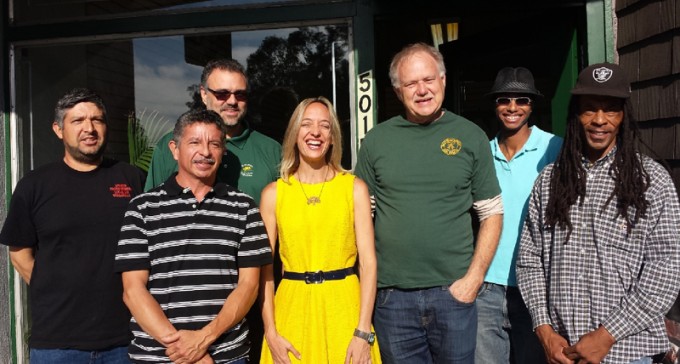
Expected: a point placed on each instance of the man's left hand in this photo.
(185, 346)
(465, 289)
(592, 347)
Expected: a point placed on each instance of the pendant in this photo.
(313, 200)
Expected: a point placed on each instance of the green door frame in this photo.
(600, 31)
(600, 47)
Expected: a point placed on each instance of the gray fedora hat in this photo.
(511, 80)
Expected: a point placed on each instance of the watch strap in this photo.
(368, 336)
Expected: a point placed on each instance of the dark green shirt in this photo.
(251, 161)
(424, 179)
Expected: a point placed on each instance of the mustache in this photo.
(86, 135)
(205, 160)
(230, 107)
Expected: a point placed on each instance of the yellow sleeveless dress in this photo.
(318, 319)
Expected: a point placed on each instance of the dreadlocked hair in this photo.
(568, 178)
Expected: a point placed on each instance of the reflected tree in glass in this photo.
(302, 63)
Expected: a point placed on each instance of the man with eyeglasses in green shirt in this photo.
(251, 160)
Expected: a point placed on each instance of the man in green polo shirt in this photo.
(426, 169)
(252, 159)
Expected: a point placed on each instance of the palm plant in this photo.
(144, 131)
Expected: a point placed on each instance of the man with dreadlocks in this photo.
(599, 259)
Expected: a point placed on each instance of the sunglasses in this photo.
(519, 101)
(224, 95)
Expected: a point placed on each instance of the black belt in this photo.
(319, 276)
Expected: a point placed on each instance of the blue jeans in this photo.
(117, 355)
(424, 326)
(504, 328)
(643, 360)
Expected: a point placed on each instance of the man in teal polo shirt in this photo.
(520, 152)
(250, 162)
(252, 159)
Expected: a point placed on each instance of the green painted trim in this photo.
(609, 36)
(8, 195)
(363, 37)
(5, 107)
(600, 31)
(560, 102)
(12, 309)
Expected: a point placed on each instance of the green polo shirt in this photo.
(425, 179)
(251, 161)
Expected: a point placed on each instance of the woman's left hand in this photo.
(358, 352)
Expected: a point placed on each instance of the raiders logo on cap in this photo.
(602, 74)
(602, 79)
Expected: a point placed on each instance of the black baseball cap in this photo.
(602, 79)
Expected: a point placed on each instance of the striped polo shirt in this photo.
(193, 251)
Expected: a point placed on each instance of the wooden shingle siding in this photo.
(669, 106)
(648, 106)
(626, 29)
(648, 43)
(655, 58)
(676, 48)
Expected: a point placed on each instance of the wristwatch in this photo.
(368, 336)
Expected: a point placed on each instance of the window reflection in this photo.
(153, 80)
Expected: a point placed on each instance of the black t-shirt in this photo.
(72, 220)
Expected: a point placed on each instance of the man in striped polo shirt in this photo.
(190, 253)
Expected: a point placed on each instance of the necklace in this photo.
(313, 200)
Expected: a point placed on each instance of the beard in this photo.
(88, 157)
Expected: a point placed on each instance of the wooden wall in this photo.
(648, 43)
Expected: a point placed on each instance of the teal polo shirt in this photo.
(516, 178)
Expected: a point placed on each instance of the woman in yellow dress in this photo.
(321, 215)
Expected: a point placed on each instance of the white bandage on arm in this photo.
(486, 208)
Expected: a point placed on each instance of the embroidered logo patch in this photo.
(247, 170)
(121, 190)
(451, 146)
(602, 74)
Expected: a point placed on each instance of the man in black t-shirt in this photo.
(62, 228)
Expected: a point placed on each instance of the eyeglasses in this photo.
(224, 95)
(519, 101)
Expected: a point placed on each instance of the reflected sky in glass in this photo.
(162, 77)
